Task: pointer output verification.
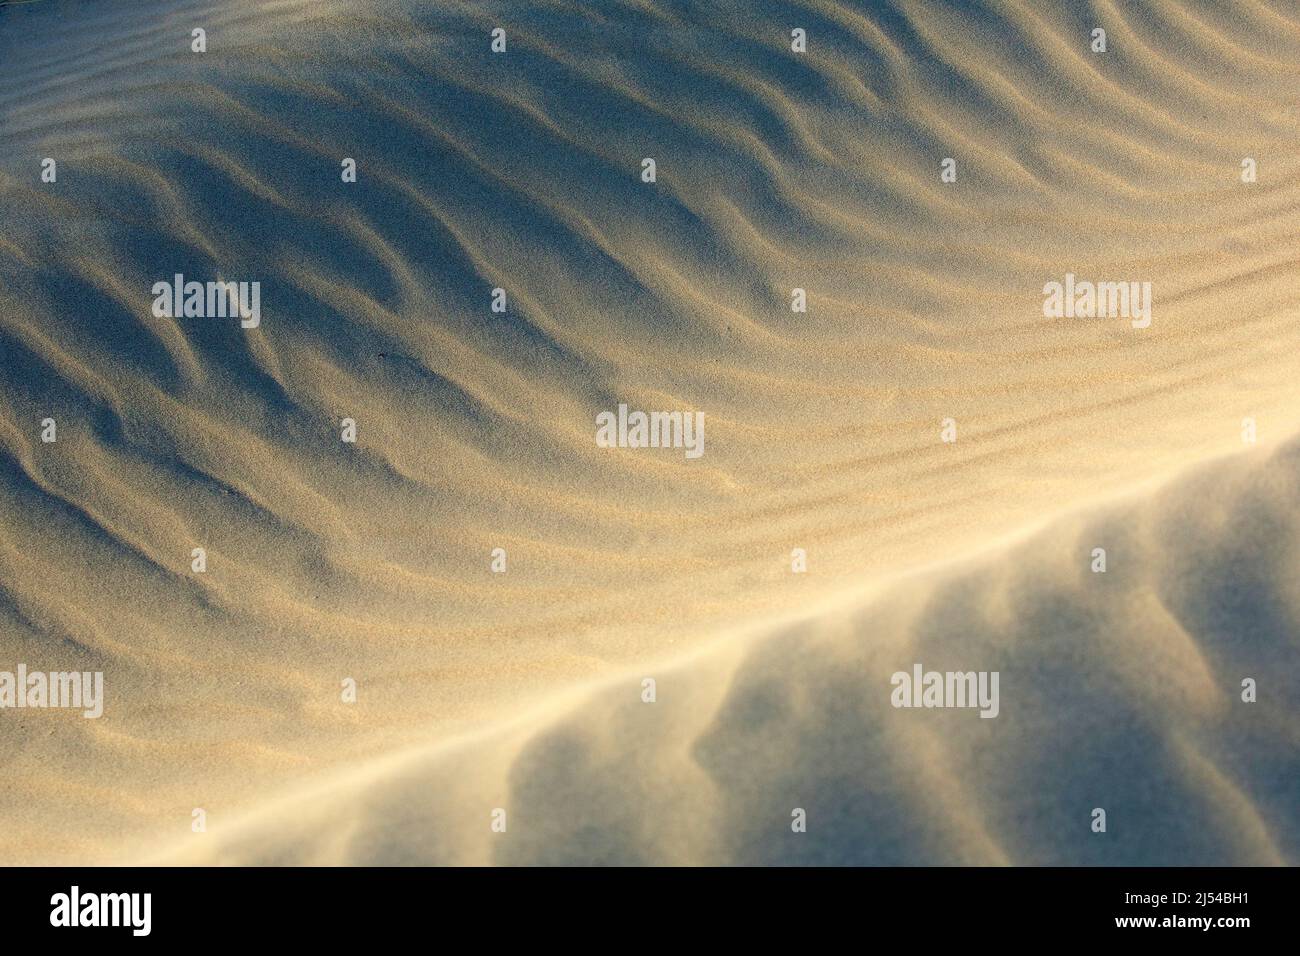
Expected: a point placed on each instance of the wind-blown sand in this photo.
(475, 430)
(1118, 689)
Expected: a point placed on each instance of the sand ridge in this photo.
(1122, 689)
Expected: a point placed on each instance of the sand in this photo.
(329, 560)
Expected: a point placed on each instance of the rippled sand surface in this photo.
(475, 430)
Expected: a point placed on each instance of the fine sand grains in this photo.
(805, 271)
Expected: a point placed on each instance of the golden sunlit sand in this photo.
(477, 430)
